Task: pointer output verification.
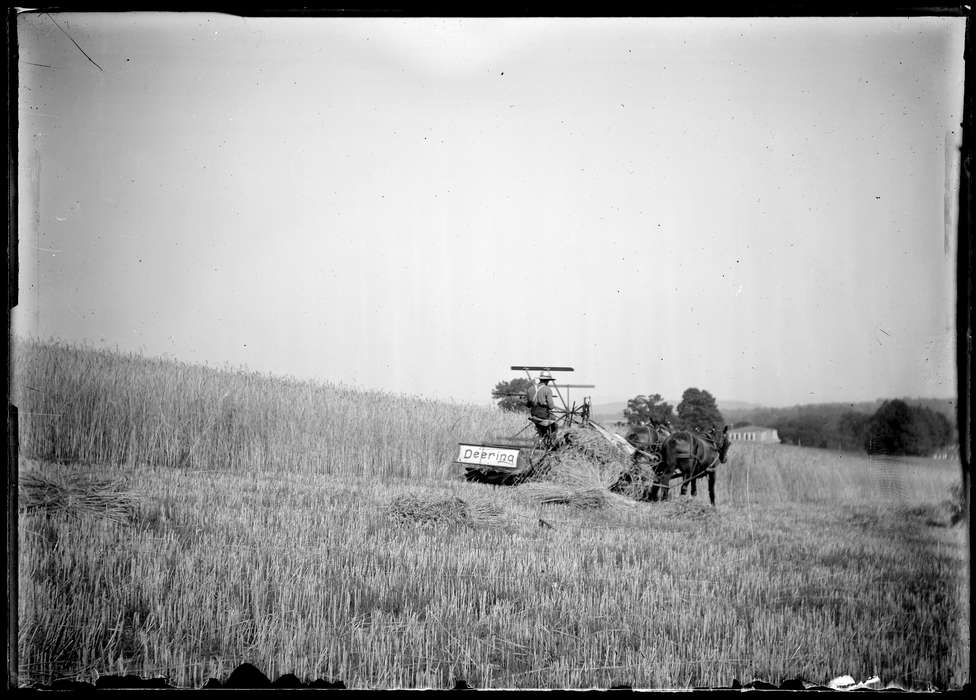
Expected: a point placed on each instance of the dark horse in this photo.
(646, 441)
(647, 438)
(690, 457)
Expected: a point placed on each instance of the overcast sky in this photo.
(756, 207)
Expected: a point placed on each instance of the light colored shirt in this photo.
(543, 395)
(540, 401)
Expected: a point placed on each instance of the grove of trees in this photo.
(890, 427)
(838, 431)
(899, 429)
(642, 410)
(511, 394)
(697, 409)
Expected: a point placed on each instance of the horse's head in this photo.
(723, 444)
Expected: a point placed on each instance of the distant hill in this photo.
(608, 412)
(762, 415)
(731, 406)
(946, 407)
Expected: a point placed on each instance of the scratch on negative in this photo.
(74, 42)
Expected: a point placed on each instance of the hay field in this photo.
(178, 521)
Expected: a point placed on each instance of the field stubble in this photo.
(812, 565)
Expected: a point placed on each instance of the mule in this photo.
(690, 457)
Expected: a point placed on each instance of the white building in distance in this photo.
(753, 433)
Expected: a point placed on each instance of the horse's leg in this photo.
(666, 485)
(661, 483)
(694, 487)
(711, 486)
(682, 468)
(661, 477)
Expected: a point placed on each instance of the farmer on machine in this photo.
(540, 407)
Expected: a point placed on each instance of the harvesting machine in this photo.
(512, 459)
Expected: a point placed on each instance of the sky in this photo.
(762, 208)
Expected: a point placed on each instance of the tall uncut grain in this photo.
(81, 405)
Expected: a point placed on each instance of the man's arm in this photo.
(549, 402)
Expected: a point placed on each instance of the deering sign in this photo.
(488, 456)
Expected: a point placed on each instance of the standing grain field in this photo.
(179, 520)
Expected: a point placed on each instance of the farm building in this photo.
(753, 433)
(949, 452)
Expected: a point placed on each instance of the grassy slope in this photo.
(79, 405)
(814, 564)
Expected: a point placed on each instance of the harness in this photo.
(710, 469)
(653, 437)
(535, 408)
(714, 465)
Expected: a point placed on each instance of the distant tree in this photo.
(699, 410)
(899, 429)
(938, 427)
(804, 430)
(741, 423)
(851, 429)
(642, 410)
(511, 394)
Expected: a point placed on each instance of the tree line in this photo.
(895, 427)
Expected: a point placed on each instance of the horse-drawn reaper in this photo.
(656, 454)
(510, 460)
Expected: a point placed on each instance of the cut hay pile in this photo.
(592, 446)
(584, 472)
(76, 494)
(424, 509)
(688, 508)
(429, 511)
(578, 498)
